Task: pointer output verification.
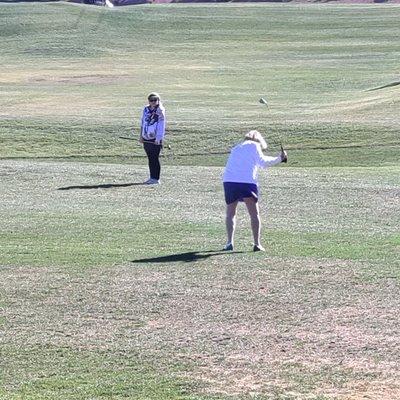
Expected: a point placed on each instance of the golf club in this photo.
(165, 154)
(146, 141)
(264, 101)
(156, 144)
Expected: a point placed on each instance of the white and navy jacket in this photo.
(153, 123)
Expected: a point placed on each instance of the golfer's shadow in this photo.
(102, 186)
(190, 256)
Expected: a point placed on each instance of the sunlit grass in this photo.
(93, 67)
(112, 289)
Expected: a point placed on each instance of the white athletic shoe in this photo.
(152, 181)
(258, 247)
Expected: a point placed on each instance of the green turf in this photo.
(78, 84)
(125, 289)
(64, 373)
(114, 290)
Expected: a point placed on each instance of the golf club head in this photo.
(282, 150)
(263, 101)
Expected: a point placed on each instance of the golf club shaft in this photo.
(155, 144)
(149, 141)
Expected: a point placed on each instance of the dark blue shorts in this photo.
(235, 191)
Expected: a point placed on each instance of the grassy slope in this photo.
(89, 303)
(73, 87)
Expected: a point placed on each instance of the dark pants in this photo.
(153, 154)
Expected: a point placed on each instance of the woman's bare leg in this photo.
(231, 221)
(254, 212)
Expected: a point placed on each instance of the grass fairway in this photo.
(117, 290)
(73, 87)
(110, 289)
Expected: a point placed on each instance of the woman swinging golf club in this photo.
(152, 131)
(240, 183)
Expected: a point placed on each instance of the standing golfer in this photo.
(240, 183)
(152, 132)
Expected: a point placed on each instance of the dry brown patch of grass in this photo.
(241, 330)
(91, 79)
(239, 324)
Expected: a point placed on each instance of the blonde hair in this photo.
(256, 136)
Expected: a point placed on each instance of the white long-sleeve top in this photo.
(244, 161)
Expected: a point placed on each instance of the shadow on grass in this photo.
(389, 84)
(102, 186)
(185, 257)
